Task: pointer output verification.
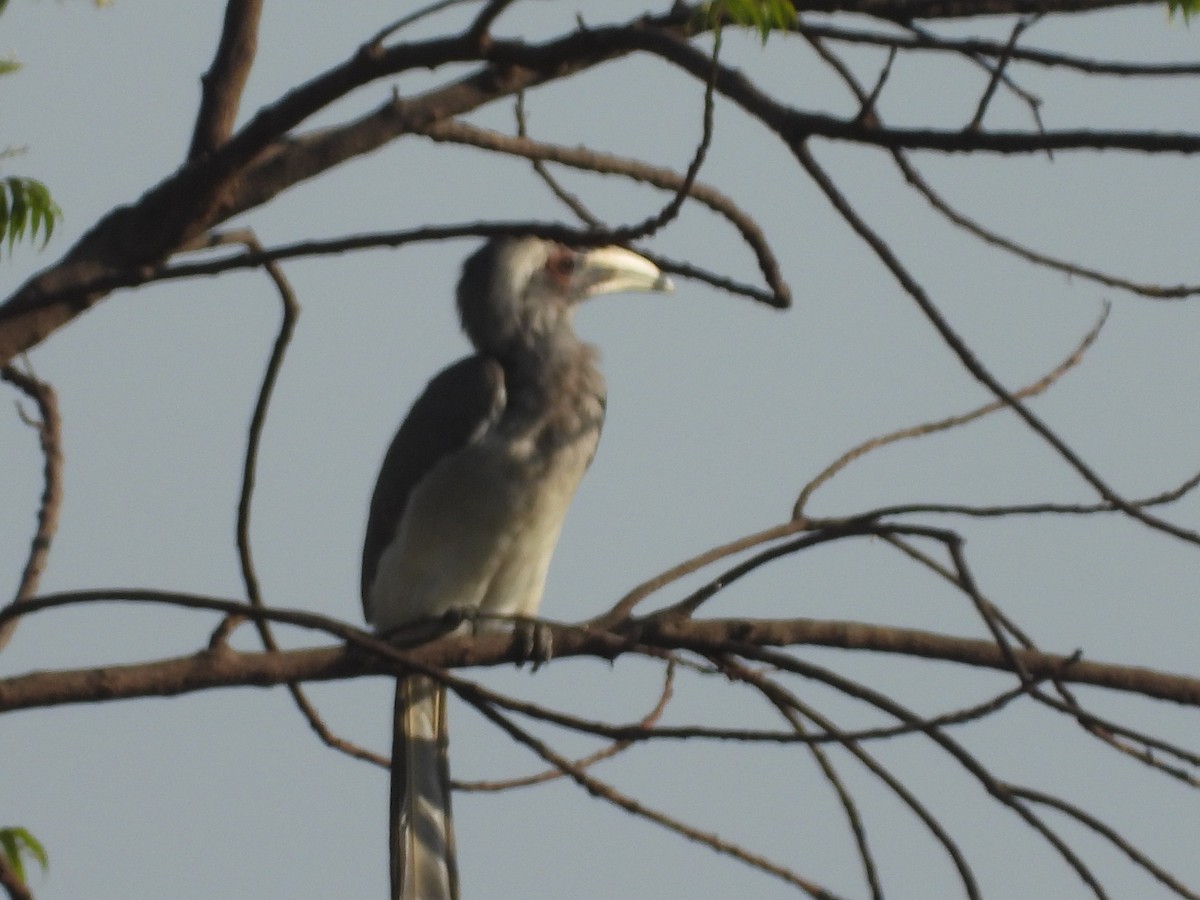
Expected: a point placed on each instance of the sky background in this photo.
(719, 411)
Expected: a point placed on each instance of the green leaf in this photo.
(1186, 7)
(15, 844)
(764, 15)
(8, 64)
(18, 214)
(26, 209)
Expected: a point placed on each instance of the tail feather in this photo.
(421, 834)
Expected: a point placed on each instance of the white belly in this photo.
(478, 532)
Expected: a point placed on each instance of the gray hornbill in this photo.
(472, 494)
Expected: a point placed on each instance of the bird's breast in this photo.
(480, 529)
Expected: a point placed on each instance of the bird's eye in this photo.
(561, 264)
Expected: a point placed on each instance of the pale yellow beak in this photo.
(613, 270)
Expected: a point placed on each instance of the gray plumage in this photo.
(473, 492)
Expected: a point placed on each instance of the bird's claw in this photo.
(535, 642)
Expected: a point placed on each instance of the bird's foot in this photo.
(535, 641)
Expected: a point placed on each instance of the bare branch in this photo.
(967, 357)
(631, 805)
(564, 196)
(1032, 509)
(1030, 390)
(375, 43)
(997, 72)
(263, 158)
(605, 163)
(791, 709)
(226, 78)
(480, 28)
(922, 39)
(49, 429)
(999, 790)
(654, 223)
(624, 607)
(617, 746)
(391, 239)
(1111, 836)
(1153, 291)
(646, 636)
(287, 325)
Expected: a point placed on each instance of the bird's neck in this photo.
(553, 371)
(537, 355)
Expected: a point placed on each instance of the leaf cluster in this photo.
(764, 15)
(26, 207)
(1185, 7)
(15, 844)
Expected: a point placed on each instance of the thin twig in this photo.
(969, 225)
(479, 30)
(1123, 738)
(569, 200)
(1030, 390)
(867, 113)
(617, 746)
(459, 132)
(654, 223)
(998, 789)
(287, 325)
(608, 793)
(290, 314)
(1085, 818)
(375, 42)
(997, 71)
(812, 35)
(622, 609)
(789, 707)
(967, 356)
(922, 39)
(49, 429)
(391, 239)
(1031, 509)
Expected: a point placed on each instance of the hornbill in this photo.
(472, 495)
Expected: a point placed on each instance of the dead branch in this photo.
(632, 805)
(225, 80)
(49, 429)
(1030, 390)
(922, 39)
(651, 637)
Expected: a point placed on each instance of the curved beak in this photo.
(611, 270)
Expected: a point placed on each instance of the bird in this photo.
(472, 494)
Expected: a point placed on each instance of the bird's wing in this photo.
(458, 406)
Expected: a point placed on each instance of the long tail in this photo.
(421, 835)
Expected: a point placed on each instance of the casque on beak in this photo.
(611, 270)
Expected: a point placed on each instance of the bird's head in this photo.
(521, 290)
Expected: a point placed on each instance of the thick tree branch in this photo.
(923, 40)
(225, 80)
(258, 162)
(908, 10)
(793, 125)
(205, 192)
(227, 668)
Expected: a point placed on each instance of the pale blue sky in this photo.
(719, 411)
